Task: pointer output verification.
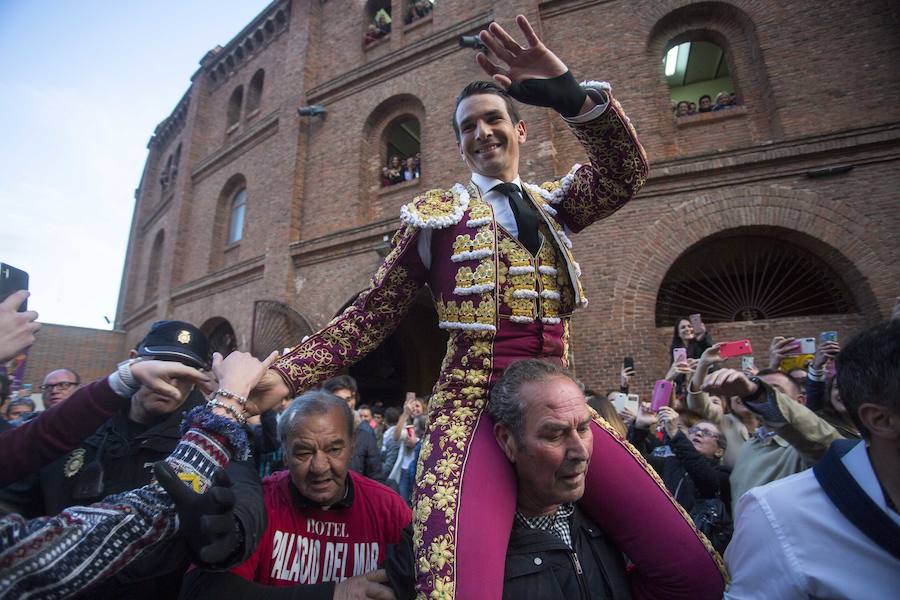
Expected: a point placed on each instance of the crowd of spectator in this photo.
(744, 450)
(381, 22)
(400, 169)
(379, 27)
(418, 9)
(705, 104)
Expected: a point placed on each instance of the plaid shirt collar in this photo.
(557, 523)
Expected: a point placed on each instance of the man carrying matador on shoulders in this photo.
(497, 258)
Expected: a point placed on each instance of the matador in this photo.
(498, 262)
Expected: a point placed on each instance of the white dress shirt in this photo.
(790, 542)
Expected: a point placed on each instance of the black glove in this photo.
(207, 521)
(562, 93)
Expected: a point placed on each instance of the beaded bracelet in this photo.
(239, 416)
(242, 400)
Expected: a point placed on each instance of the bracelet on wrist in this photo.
(239, 416)
(242, 400)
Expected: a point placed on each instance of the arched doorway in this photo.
(275, 326)
(409, 360)
(221, 335)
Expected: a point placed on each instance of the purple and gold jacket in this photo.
(497, 301)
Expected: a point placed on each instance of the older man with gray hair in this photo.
(556, 550)
(329, 527)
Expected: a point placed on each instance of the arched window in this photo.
(401, 158)
(175, 162)
(698, 77)
(154, 266)
(748, 278)
(234, 105)
(254, 91)
(417, 9)
(164, 176)
(236, 221)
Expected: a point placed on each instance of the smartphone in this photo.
(628, 363)
(828, 336)
(662, 394)
(11, 281)
(729, 349)
(619, 400)
(632, 403)
(795, 361)
(697, 323)
(806, 345)
(746, 363)
(679, 355)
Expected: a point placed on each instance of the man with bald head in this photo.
(59, 385)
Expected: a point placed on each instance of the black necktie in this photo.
(526, 216)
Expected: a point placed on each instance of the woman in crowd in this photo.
(689, 460)
(684, 336)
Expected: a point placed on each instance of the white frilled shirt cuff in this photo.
(599, 93)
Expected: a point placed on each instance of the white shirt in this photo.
(790, 542)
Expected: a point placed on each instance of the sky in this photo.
(86, 84)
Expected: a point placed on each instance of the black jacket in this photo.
(688, 475)
(367, 456)
(539, 565)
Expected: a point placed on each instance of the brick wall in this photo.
(814, 79)
(93, 353)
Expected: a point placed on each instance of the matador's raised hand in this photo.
(534, 75)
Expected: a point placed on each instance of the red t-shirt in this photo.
(311, 545)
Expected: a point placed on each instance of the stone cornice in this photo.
(141, 313)
(224, 279)
(260, 131)
(555, 8)
(169, 129)
(221, 63)
(770, 161)
(420, 52)
(344, 243)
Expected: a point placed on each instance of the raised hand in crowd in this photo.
(627, 416)
(269, 391)
(779, 348)
(668, 417)
(160, 376)
(709, 357)
(625, 377)
(684, 367)
(17, 329)
(825, 352)
(729, 382)
(645, 418)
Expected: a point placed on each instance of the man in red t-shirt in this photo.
(328, 528)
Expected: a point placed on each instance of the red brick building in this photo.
(777, 215)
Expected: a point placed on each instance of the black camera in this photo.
(471, 41)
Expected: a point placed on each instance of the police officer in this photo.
(120, 455)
